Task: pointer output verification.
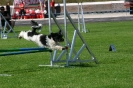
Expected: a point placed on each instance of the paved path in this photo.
(88, 18)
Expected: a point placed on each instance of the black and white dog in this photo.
(50, 41)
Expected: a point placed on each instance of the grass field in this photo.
(113, 71)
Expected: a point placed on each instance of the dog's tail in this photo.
(35, 26)
(33, 23)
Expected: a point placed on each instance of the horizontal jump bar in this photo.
(24, 49)
(23, 52)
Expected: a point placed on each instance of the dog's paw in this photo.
(64, 48)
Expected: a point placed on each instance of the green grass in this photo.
(113, 71)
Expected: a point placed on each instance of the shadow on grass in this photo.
(22, 70)
(83, 65)
(28, 70)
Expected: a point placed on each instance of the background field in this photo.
(113, 71)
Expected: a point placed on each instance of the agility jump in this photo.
(69, 57)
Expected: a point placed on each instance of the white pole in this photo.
(65, 23)
(78, 17)
(0, 24)
(13, 8)
(0, 28)
(49, 16)
(65, 28)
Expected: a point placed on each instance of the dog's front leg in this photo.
(57, 47)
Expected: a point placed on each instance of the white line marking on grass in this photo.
(5, 75)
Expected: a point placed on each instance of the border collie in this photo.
(50, 41)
